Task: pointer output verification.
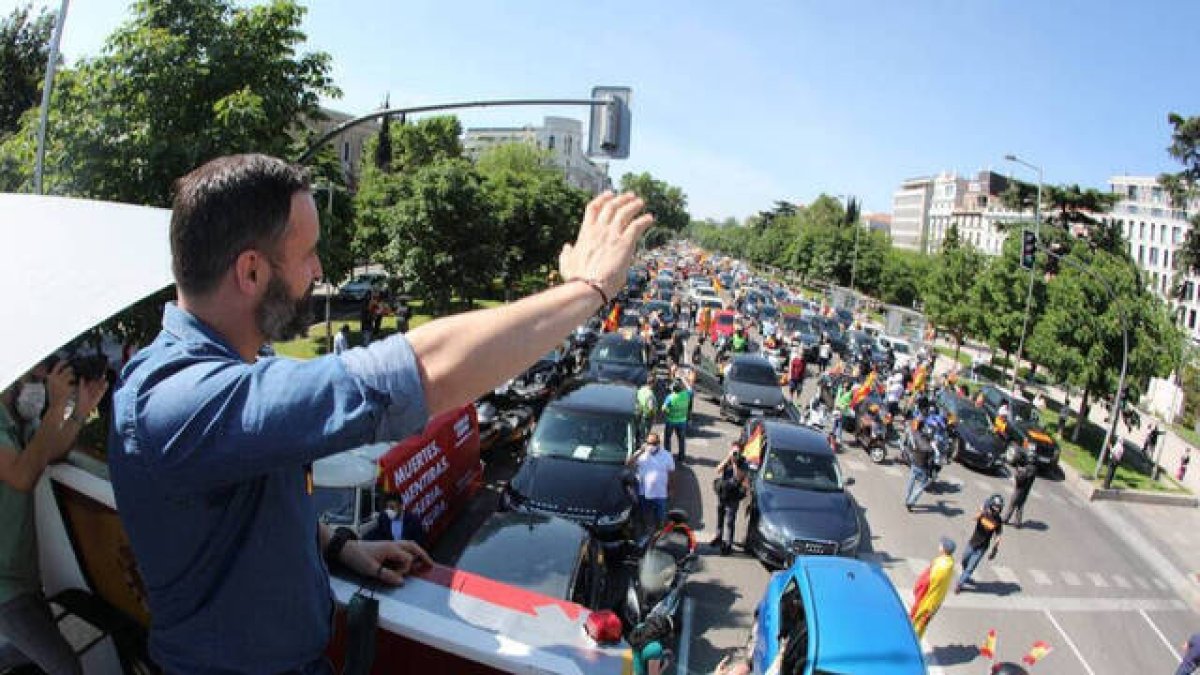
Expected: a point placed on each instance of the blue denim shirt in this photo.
(208, 457)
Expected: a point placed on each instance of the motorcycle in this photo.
(871, 434)
(818, 416)
(505, 416)
(660, 572)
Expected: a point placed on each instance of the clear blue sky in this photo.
(744, 103)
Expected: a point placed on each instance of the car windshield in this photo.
(589, 437)
(658, 306)
(753, 373)
(1021, 410)
(619, 351)
(970, 416)
(901, 348)
(802, 470)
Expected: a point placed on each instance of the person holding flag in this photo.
(932, 586)
(613, 320)
(863, 390)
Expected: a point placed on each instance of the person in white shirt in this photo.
(341, 341)
(654, 467)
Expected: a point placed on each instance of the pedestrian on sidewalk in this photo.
(1183, 464)
(988, 527)
(676, 407)
(732, 484)
(1115, 452)
(654, 467)
(1023, 479)
(1151, 440)
(922, 459)
(341, 341)
(932, 586)
(1191, 656)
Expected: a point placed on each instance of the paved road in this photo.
(1065, 578)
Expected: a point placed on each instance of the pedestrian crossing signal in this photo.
(1028, 248)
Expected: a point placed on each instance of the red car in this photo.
(722, 325)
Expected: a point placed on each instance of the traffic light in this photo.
(1028, 248)
(608, 133)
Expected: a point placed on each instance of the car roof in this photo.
(603, 397)
(843, 596)
(533, 551)
(742, 359)
(796, 437)
(1007, 393)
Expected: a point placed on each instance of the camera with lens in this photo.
(89, 367)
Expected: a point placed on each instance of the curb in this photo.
(1090, 492)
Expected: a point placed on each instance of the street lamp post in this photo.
(1029, 293)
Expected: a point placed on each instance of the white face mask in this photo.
(31, 401)
(391, 513)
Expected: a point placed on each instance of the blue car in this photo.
(834, 615)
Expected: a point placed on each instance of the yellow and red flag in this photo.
(1037, 652)
(863, 390)
(752, 450)
(988, 650)
(614, 319)
(918, 381)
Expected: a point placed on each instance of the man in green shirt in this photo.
(675, 409)
(647, 405)
(40, 417)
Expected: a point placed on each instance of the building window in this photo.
(1153, 256)
(1164, 284)
(1166, 259)
(551, 143)
(1153, 231)
(1141, 254)
(569, 139)
(1175, 235)
(346, 151)
(1191, 319)
(1132, 192)
(1142, 231)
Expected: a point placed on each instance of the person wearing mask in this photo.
(922, 461)
(209, 438)
(796, 373)
(824, 353)
(932, 586)
(1023, 480)
(647, 406)
(40, 419)
(654, 466)
(341, 341)
(393, 523)
(988, 527)
(676, 408)
(732, 484)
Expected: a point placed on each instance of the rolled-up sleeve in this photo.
(390, 366)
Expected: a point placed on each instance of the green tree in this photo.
(178, 84)
(949, 291)
(1002, 290)
(902, 277)
(1184, 187)
(24, 48)
(667, 202)
(536, 210)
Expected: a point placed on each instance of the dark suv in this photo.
(574, 465)
(1025, 432)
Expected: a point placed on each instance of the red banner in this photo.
(437, 472)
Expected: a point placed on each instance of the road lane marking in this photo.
(1004, 574)
(1071, 578)
(1041, 577)
(1160, 635)
(1070, 643)
(1158, 583)
(685, 636)
(1141, 583)
(1097, 580)
(1121, 581)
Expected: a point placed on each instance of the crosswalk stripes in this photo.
(1121, 581)
(1072, 579)
(1040, 577)
(1097, 580)
(1005, 574)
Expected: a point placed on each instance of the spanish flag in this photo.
(863, 390)
(717, 283)
(988, 650)
(614, 319)
(918, 381)
(752, 450)
(1037, 652)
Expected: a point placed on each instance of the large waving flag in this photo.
(752, 450)
(918, 381)
(863, 390)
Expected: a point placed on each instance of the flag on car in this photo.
(988, 650)
(752, 450)
(1037, 652)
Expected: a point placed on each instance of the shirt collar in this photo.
(186, 327)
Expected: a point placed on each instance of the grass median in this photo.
(1083, 457)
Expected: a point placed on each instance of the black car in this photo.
(978, 446)
(799, 499)
(844, 317)
(540, 553)
(830, 327)
(664, 312)
(1025, 433)
(616, 358)
(750, 388)
(575, 461)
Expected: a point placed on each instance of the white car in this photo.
(905, 354)
(361, 285)
(699, 295)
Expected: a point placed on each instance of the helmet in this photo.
(994, 503)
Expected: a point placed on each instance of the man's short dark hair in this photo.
(225, 207)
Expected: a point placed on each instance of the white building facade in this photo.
(910, 213)
(924, 210)
(1154, 231)
(561, 136)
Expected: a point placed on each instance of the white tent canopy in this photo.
(68, 264)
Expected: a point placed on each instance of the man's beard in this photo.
(279, 316)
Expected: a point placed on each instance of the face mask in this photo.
(391, 513)
(31, 401)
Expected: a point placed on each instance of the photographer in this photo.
(40, 418)
(731, 484)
